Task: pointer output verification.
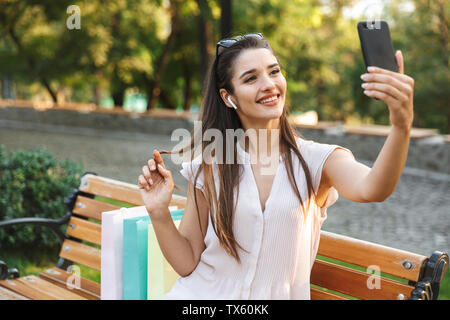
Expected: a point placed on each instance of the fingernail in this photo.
(160, 166)
(150, 181)
(152, 167)
(364, 76)
(147, 188)
(364, 85)
(366, 91)
(370, 69)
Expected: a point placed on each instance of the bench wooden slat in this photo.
(26, 291)
(91, 208)
(363, 253)
(317, 294)
(81, 253)
(6, 294)
(354, 282)
(85, 230)
(88, 289)
(118, 190)
(35, 288)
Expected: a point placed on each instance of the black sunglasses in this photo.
(226, 43)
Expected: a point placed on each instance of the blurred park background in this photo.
(134, 69)
(146, 54)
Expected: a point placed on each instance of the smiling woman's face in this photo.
(259, 86)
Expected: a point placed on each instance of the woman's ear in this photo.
(226, 98)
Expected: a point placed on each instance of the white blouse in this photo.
(281, 247)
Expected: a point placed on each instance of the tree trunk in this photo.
(31, 63)
(226, 22)
(96, 92)
(166, 100)
(443, 24)
(50, 90)
(187, 87)
(118, 96)
(205, 39)
(154, 90)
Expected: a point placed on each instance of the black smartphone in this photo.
(376, 44)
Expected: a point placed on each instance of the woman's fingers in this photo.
(399, 58)
(151, 164)
(158, 158)
(387, 77)
(387, 89)
(142, 182)
(147, 174)
(402, 78)
(164, 172)
(388, 99)
(153, 172)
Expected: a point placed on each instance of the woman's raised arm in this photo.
(181, 247)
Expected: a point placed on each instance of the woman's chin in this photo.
(273, 112)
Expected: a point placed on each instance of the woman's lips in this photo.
(271, 103)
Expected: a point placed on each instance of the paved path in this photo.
(415, 218)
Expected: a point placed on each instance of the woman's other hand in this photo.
(156, 186)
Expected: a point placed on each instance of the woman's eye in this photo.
(275, 71)
(250, 79)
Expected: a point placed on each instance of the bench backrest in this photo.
(364, 270)
(84, 228)
(345, 268)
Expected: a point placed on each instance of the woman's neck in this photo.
(264, 139)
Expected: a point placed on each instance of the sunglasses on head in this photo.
(226, 43)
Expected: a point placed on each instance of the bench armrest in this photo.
(434, 269)
(53, 224)
(6, 273)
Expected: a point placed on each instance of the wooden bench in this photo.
(340, 271)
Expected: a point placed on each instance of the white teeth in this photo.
(269, 99)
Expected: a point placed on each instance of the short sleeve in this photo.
(321, 154)
(315, 155)
(189, 171)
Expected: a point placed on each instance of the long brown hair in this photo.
(216, 115)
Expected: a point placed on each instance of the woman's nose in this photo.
(267, 83)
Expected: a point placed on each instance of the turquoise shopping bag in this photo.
(135, 255)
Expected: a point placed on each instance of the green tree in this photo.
(424, 35)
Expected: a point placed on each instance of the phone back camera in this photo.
(374, 24)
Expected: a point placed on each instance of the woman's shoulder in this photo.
(309, 147)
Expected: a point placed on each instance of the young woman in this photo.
(246, 233)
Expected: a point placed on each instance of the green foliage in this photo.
(33, 183)
(121, 42)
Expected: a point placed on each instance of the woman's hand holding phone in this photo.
(396, 89)
(156, 186)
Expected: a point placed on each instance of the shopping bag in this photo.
(161, 275)
(112, 250)
(135, 244)
(135, 258)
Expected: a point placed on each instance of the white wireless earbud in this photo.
(232, 103)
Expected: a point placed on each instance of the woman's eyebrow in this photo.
(253, 70)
